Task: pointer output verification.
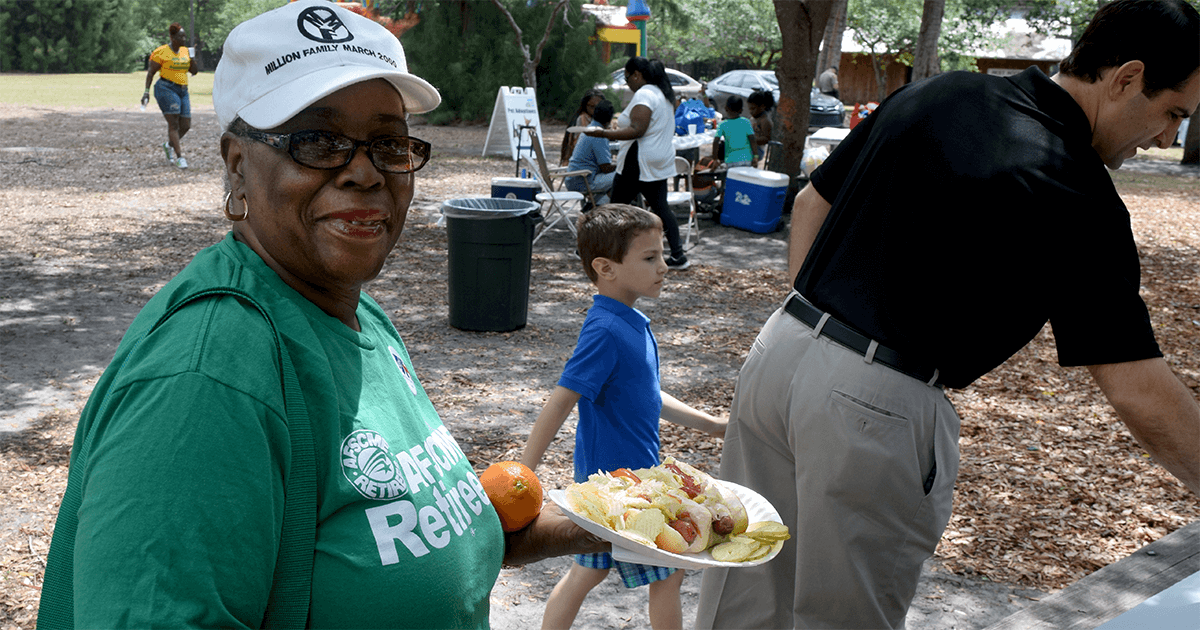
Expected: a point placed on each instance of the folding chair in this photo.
(556, 204)
(773, 157)
(685, 199)
(556, 176)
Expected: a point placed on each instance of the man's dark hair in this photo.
(1163, 34)
(603, 113)
(734, 103)
(607, 231)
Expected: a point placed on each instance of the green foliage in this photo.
(892, 27)
(153, 17)
(66, 36)
(235, 12)
(745, 31)
(468, 51)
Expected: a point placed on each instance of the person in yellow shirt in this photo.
(173, 62)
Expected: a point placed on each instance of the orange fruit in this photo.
(515, 492)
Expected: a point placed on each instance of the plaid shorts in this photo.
(632, 575)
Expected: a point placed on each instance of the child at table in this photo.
(613, 377)
(738, 134)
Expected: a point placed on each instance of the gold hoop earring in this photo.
(236, 217)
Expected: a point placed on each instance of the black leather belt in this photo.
(849, 337)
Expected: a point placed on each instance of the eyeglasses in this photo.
(326, 150)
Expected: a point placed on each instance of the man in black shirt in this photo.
(934, 243)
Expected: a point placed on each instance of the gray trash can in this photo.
(490, 246)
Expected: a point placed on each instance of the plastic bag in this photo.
(691, 112)
(813, 157)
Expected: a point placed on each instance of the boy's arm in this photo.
(677, 412)
(561, 402)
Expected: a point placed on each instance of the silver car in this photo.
(685, 87)
(823, 110)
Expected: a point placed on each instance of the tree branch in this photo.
(516, 29)
(549, 26)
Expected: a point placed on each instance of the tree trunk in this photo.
(878, 65)
(802, 24)
(925, 59)
(529, 66)
(831, 48)
(1191, 141)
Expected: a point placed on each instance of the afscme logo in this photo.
(321, 24)
(369, 466)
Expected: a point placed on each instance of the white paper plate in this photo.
(626, 550)
(576, 129)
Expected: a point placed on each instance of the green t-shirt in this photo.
(183, 487)
(737, 133)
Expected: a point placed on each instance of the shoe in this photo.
(181, 162)
(167, 149)
(678, 262)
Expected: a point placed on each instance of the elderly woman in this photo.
(260, 451)
(646, 159)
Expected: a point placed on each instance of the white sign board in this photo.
(516, 107)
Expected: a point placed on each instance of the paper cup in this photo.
(692, 129)
(191, 51)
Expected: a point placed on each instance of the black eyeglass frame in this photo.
(283, 142)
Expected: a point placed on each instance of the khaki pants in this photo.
(843, 449)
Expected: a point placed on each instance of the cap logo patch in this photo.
(321, 24)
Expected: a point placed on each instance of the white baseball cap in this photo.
(274, 65)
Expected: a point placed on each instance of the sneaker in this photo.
(167, 149)
(181, 162)
(678, 262)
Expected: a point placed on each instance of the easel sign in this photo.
(516, 107)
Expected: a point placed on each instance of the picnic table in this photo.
(1156, 586)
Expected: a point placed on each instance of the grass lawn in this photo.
(91, 90)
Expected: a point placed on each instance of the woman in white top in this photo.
(647, 158)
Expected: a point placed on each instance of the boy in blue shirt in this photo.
(613, 376)
(738, 132)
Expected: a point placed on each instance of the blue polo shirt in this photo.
(614, 369)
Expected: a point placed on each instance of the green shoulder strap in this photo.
(288, 603)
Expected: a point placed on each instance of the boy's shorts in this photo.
(632, 575)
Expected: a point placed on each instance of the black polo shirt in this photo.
(967, 211)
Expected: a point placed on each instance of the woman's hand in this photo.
(550, 534)
(145, 98)
(595, 132)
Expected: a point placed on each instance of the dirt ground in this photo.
(94, 221)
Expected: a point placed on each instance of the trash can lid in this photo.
(487, 208)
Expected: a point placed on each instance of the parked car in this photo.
(823, 110)
(684, 86)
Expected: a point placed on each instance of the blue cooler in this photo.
(754, 199)
(515, 188)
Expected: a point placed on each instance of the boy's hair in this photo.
(603, 113)
(1163, 34)
(606, 232)
(734, 104)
